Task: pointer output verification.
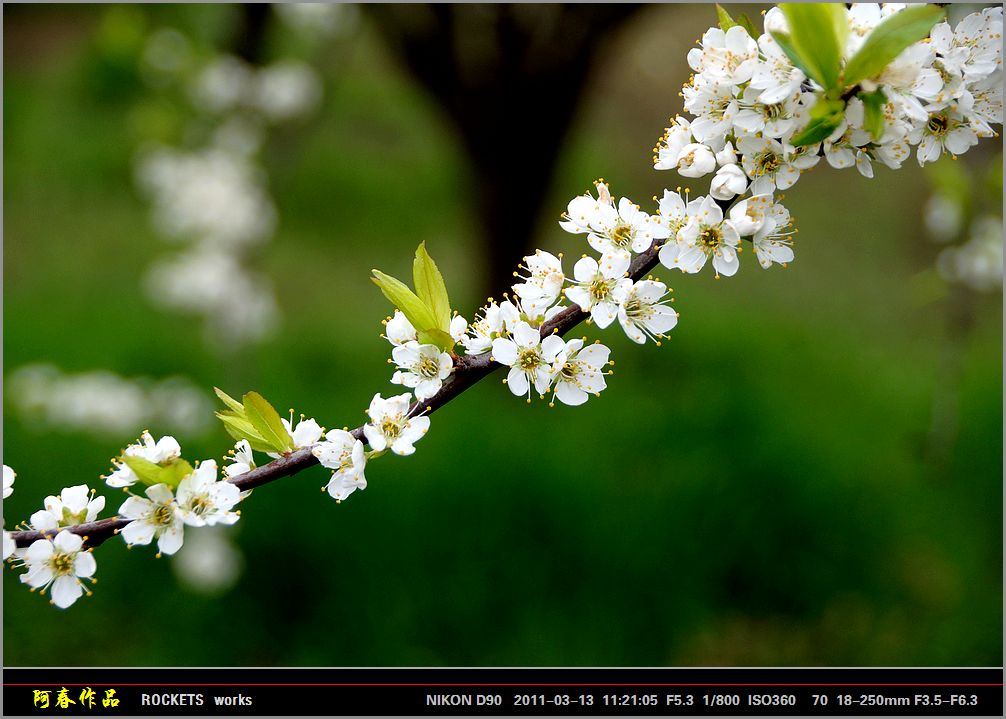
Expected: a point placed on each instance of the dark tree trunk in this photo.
(249, 40)
(509, 77)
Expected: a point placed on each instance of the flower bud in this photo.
(696, 160)
(728, 182)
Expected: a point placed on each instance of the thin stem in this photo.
(468, 370)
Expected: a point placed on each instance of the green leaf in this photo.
(414, 309)
(873, 112)
(817, 130)
(267, 423)
(818, 32)
(175, 472)
(240, 428)
(745, 22)
(825, 117)
(430, 288)
(433, 336)
(229, 401)
(148, 472)
(785, 43)
(889, 39)
(726, 22)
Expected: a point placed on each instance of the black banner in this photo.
(555, 692)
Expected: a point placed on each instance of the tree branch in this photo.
(469, 370)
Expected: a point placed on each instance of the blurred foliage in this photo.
(755, 492)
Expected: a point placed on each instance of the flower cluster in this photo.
(751, 107)
(199, 500)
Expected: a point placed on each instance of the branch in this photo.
(468, 370)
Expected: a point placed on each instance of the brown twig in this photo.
(469, 370)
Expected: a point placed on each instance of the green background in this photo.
(758, 491)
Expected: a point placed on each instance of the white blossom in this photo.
(162, 451)
(616, 234)
(543, 284)
(728, 57)
(399, 329)
(62, 563)
(481, 333)
(344, 454)
(9, 547)
(457, 328)
(768, 119)
(768, 164)
(422, 368)
(643, 313)
(748, 215)
(774, 76)
(390, 426)
(673, 213)
(74, 505)
(243, 459)
(945, 130)
(203, 500)
(578, 371)
(728, 182)
(705, 235)
(596, 288)
(715, 106)
(156, 517)
(8, 488)
(695, 160)
(772, 240)
(669, 147)
(305, 433)
(525, 354)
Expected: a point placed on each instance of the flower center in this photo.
(720, 106)
(70, 519)
(199, 504)
(391, 427)
(621, 235)
(428, 367)
(599, 289)
(767, 162)
(162, 515)
(774, 112)
(711, 237)
(938, 125)
(61, 564)
(569, 372)
(528, 359)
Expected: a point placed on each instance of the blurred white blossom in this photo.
(238, 304)
(319, 18)
(214, 196)
(287, 90)
(978, 263)
(102, 403)
(209, 562)
(943, 217)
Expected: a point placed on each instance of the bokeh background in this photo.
(809, 473)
